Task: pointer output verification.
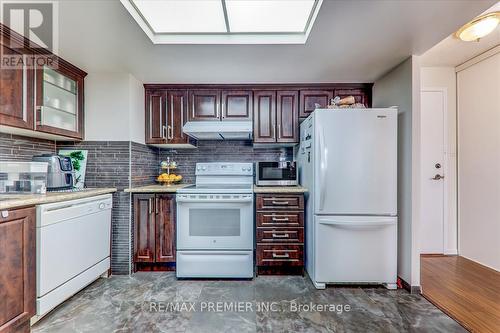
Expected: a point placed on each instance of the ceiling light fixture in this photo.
(479, 27)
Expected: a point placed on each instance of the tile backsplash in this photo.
(122, 164)
(20, 148)
(221, 151)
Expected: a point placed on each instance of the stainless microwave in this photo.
(276, 174)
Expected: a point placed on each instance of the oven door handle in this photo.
(193, 200)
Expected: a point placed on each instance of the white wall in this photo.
(114, 107)
(398, 88)
(136, 111)
(478, 91)
(445, 77)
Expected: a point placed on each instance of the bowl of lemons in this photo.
(168, 179)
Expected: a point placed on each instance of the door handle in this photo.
(276, 219)
(281, 236)
(170, 132)
(150, 206)
(280, 202)
(156, 205)
(286, 255)
(437, 177)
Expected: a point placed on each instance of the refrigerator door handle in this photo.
(357, 223)
(323, 153)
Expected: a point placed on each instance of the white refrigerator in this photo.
(348, 160)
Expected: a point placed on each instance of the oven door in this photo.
(209, 222)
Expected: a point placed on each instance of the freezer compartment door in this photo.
(356, 162)
(355, 249)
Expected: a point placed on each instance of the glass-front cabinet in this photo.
(59, 102)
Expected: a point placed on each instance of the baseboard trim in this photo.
(411, 289)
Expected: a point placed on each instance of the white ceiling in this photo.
(351, 41)
(452, 51)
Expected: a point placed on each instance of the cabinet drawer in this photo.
(280, 219)
(280, 235)
(280, 255)
(269, 201)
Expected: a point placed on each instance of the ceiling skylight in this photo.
(268, 16)
(183, 16)
(225, 21)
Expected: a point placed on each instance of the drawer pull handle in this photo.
(276, 219)
(286, 255)
(281, 236)
(280, 202)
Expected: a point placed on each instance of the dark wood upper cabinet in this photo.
(287, 116)
(176, 116)
(264, 122)
(16, 93)
(59, 100)
(144, 225)
(165, 228)
(360, 95)
(18, 270)
(156, 117)
(204, 104)
(237, 105)
(45, 95)
(309, 99)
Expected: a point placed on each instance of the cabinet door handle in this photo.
(281, 235)
(280, 202)
(170, 132)
(164, 133)
(276, 219)
(150, 205)
(279, 131)
(286, 255)
(156, 205)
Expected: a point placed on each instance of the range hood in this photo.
(219, 130)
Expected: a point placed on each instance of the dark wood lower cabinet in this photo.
(280, 233)
(17, 269)
(165, 228)
(154, 230)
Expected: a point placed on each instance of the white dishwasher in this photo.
(72, 247)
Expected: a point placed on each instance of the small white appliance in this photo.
(215, 234)
(72, 248)
(348, 161)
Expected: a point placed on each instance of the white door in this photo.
(356, 249)
(432, 171)
(356, 162)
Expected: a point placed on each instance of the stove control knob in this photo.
(203, 168)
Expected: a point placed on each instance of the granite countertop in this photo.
(279, 189)
(9, 201)
(156, 188)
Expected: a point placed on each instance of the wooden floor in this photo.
(466, 291)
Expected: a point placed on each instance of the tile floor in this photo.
(145, 302)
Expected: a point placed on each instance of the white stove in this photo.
(215, 223)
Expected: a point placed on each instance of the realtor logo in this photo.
(35, 20)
